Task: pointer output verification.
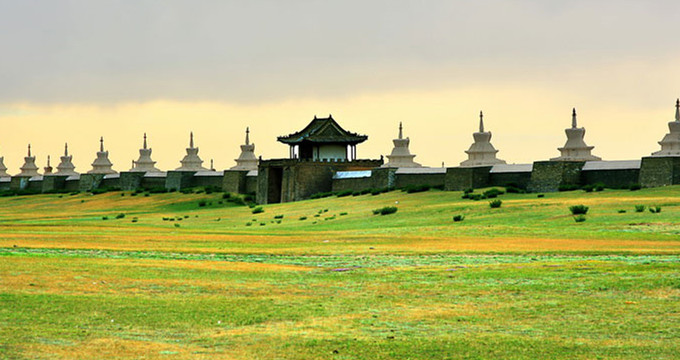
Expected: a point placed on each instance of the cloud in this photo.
(262, 51)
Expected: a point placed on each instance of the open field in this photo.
(521, 281)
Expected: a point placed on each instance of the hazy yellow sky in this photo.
(76, 71)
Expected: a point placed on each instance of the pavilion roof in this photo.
(323, 130)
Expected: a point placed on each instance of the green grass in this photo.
(516, 282)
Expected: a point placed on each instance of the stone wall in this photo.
(404, 180)
(90, 182)
(461, 178)
(549, 175)
(179, 180)
(660, 171)
(207, 181)
(153, 182)
(520, 179)
(53, 183)
(130, 180)
(284, 180)
(353, 184)
(251, 184)
(611, 178)
(19, 183)
(234, 181)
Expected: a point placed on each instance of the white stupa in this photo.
(575, 149)
(670, 145)
(66, 167)
(191, 162)
(481, 152)
(144, 163)
(48, 168)
(3, 168)
(29, 168)
(247, 160)
(102, 164)
(401, 156)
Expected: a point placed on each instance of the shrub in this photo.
(540, 195)
(599, 187)
(303, 218)
(634, 187)
(177, 225)
(621, 211)
(492, 193)
(588, 188)
(458, 218)
(158, 190)
(249, 224)
(578, 209)
(226, 195)
(579, 218)
(202, 203)
(410, 189)
(105, 217)
(321, 195)
(495, 203)
(344, 193)
(258, 210)
(567, 187)
(96, 191)
(343, 213)
(120, 216)
(278, 216)
(655, 209)
(468, 191)
(514, 190)
(476, 197)
(639, 208)
(385, 210)
(134, 219)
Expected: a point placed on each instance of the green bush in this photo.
(639, 208)
(588, 188)
(568, 187)
(321, 195)
(343, 213)
(495, 203)
(493, 193)
(468, 191)
(202, 203)
(540, 195)
(385, 210)
(177, 225)
(410, 189)
(105, 217)
(580, 218)
(258, 210)
(303, 218)
(655, 209)
(278, 216)
(120, 216)
(621, 211)
(249, 224)
(634, 187)
(578, 209)
(344, 193)
(458, 218)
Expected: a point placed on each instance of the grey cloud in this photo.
(109, 51)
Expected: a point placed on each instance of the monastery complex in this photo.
(323, 158)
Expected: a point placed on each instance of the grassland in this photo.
(327, 279)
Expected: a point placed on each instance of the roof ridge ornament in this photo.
(65, 149)
(677, 110)
(401, 134)
(247, 135)
(29, 150)
(144, 141)
(101, 144)
(573, 118)
(191, 139)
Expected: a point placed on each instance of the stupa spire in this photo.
(247, 160)
(481, 121)
(670, 144)
(481, 152)
(191, 162)
(144, 163)
(65, 167)
(401, 156)
(575, 149)
(102, 164)
(29, 168)
(48, 168)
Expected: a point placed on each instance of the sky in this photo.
(72, 71)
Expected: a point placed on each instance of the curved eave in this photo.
(294, 141)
